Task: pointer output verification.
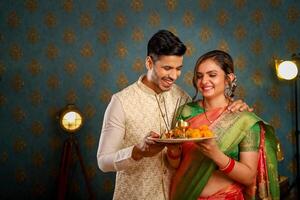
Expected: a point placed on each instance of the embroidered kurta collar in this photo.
(146, 89)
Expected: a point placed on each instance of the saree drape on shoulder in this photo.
(230, 128)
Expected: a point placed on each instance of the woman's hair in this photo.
(221, 58)
(166, 43)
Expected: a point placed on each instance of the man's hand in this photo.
(147, 148)
(239, 105)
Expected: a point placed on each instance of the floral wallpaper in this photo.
(54, 53)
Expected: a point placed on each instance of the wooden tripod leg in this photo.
(64, 169)
(87, 182)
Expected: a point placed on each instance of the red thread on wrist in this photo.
(229, 167)
(172, 156)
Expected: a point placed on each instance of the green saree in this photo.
(230, 128)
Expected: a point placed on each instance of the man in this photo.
(146, 105)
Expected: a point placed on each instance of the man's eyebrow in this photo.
(171, 66)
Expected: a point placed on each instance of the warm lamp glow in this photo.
(71, 119)
(286, 69)
(279, 152)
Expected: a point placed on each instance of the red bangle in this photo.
(172, 156)
(229, 160)
(229, 167)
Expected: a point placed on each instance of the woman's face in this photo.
(210, 79)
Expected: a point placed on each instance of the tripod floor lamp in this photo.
(70, 120)
(289, 70)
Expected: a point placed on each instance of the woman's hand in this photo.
(147, 148)
(244, 170)
(209, 148)
(174, 150)
(174, 154)
(239, 105)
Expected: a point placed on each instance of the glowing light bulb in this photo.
(71, 121)
(287, 70)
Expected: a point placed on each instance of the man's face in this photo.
(163, 72)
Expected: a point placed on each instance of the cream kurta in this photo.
(132, 114)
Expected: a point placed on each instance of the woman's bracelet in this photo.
(226, 164)
(229, 167)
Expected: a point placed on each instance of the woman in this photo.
(242, 155)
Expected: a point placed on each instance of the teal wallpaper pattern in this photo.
(53, 53)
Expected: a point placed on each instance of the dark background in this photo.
(53, 53)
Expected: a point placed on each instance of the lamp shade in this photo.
(286, 69)
(70, 119)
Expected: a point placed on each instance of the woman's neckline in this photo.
(221, 109)
(202, 104)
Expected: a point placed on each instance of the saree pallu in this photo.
(230, 128)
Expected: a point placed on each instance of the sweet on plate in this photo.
(182, 130)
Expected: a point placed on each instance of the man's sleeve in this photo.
(111, 156)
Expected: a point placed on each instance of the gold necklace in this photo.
(212, 121)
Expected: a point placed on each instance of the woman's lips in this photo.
(207, 88)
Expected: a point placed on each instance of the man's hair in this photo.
(165, 43)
